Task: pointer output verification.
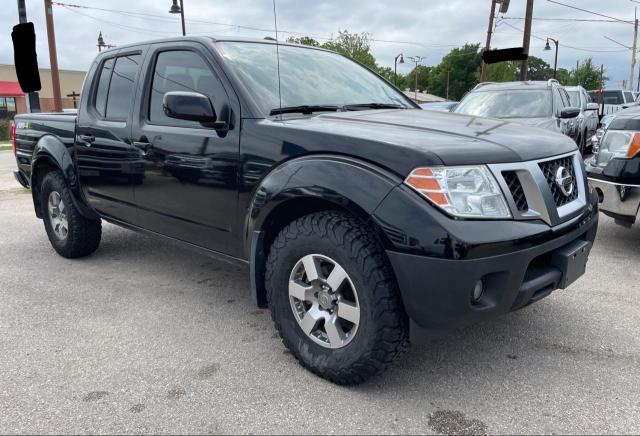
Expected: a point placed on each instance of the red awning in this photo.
(10, 89)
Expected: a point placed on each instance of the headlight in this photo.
(466, 192)
(621, 143)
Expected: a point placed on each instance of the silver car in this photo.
(587, 121)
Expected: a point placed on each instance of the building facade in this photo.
(70, 83)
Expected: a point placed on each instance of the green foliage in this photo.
(353, 45)
(462, 65)
(304, 40)
(588, 75)
(4, 129)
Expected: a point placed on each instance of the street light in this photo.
(175, 9)
(548, 48)
(395, 73)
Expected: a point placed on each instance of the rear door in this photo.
(107, 163)
(190, 186)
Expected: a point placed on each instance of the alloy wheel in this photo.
(324, 301)
(58, 215)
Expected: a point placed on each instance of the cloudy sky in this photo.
(415, 27)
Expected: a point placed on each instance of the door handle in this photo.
(88, 139)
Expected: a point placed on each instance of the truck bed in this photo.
(31, 127)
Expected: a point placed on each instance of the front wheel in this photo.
(71, 234)
(334, 299)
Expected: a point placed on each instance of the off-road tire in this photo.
(382, 334)
(83, 237)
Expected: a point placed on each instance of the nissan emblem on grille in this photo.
(564, 181)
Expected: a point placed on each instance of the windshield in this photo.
(574, 96)
(309, 77)
(506, 104)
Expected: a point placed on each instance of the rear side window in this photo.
(628, 97)
(612, 97)
(103, 87)
(121, 88)
(182, 71)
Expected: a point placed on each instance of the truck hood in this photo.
(418, 137)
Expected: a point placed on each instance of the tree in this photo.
(463, 67)
(304, 40)
(539, 69)
(424, 73)
(502, 72)
(353, 45)
(587, 75)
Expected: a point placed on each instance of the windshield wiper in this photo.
(305, 110)
(358, 107)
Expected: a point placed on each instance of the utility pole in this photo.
(32, 101)
(633, 52)
(53, 57)
(417, 60)
(448, 74)
(527, 39)
(483, 77)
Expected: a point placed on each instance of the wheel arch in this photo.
(301, 187)
(51, 154)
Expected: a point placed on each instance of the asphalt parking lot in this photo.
(145, 337)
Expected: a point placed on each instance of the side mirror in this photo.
(190, 106)
(595, 143)
(569, 112)
(592, 107)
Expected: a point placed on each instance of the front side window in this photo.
(122, 86)
(574, 97)
(307, 77)
(182, 71)
(508, 103)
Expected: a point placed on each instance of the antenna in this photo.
(275, 21)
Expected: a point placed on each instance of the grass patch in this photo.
(16, 191)
(5, 147)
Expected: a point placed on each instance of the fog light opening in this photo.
(477, 291)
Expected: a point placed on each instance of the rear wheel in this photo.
(334, 298)
(71, 234)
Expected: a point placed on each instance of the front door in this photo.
(107, 163)
(190, 186)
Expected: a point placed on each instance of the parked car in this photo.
(360, 217)
(588, 120)
(614, 100)
(442, 106)
(614, 171)
(535, 103)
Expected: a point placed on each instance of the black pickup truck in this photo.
(360, 216)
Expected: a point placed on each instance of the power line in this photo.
(580, 20)
(569, 46)
(590, 12)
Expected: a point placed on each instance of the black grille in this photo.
(550, 169)
(513, 182)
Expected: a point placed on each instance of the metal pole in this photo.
(53, 57)
(448, 73)
(527, 39)
(32, 100)
(184, 32)
(633, 53)
(555, 65)
(417, 80)
(487, 46)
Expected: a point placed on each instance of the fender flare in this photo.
(338, 182)
(50, 152)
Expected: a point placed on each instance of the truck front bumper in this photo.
(617, 200)
(438, 293)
